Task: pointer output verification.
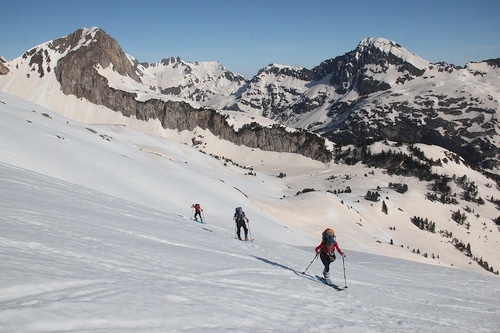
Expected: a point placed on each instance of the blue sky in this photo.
(245, 36)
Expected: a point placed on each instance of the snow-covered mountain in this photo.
(208, 83)
(378, 91)
(86, 75)
(382, 91)
(96, 236)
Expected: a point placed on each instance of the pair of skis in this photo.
(329, 283)
(199, 221)
(322, 279)
(246, 240)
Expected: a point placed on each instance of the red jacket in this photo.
(328, 249)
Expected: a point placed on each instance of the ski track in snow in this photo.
(95, 282)
(74, 258)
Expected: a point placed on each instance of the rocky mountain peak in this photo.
(495, 63)
(85, 51)
(200, 81)
(170, 60)
(390, 51)
(365, 69)
(94, 47)
(200, 70)
(278, 71)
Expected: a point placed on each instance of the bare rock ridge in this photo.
(77, 75)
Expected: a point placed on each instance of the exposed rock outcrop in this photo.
(3, 70)
(78, 76)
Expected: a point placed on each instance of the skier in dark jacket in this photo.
(240, 218)
(326, 251)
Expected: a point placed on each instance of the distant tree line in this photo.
(459, 245)
(484, 264)
(305, 191)
(470, 190)
(400, 188)
(466, 249)
(460, 218)
(346, 190)
(424, 224)
(397, 163)
(441, 191)
(372, 196)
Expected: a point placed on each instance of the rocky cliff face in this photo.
(77, 70)
(77, 74)
(3, 70)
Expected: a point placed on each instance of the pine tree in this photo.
(384, 207)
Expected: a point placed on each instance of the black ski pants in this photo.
(325, 259)
(241, 224)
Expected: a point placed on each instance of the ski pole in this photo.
(343, 265)
(316, 256)
(249, 231)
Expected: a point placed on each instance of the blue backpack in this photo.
(240, 214)
(329, 237)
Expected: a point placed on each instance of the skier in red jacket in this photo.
(197, 210)
(326, 251)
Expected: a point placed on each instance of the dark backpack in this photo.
(239, 214)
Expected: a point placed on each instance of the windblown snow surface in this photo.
(96, 236)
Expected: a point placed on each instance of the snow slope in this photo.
(95, 236)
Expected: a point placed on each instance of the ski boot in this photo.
(326, 277)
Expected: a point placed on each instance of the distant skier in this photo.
(197, 210)
(240, 218)
(326, 252)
